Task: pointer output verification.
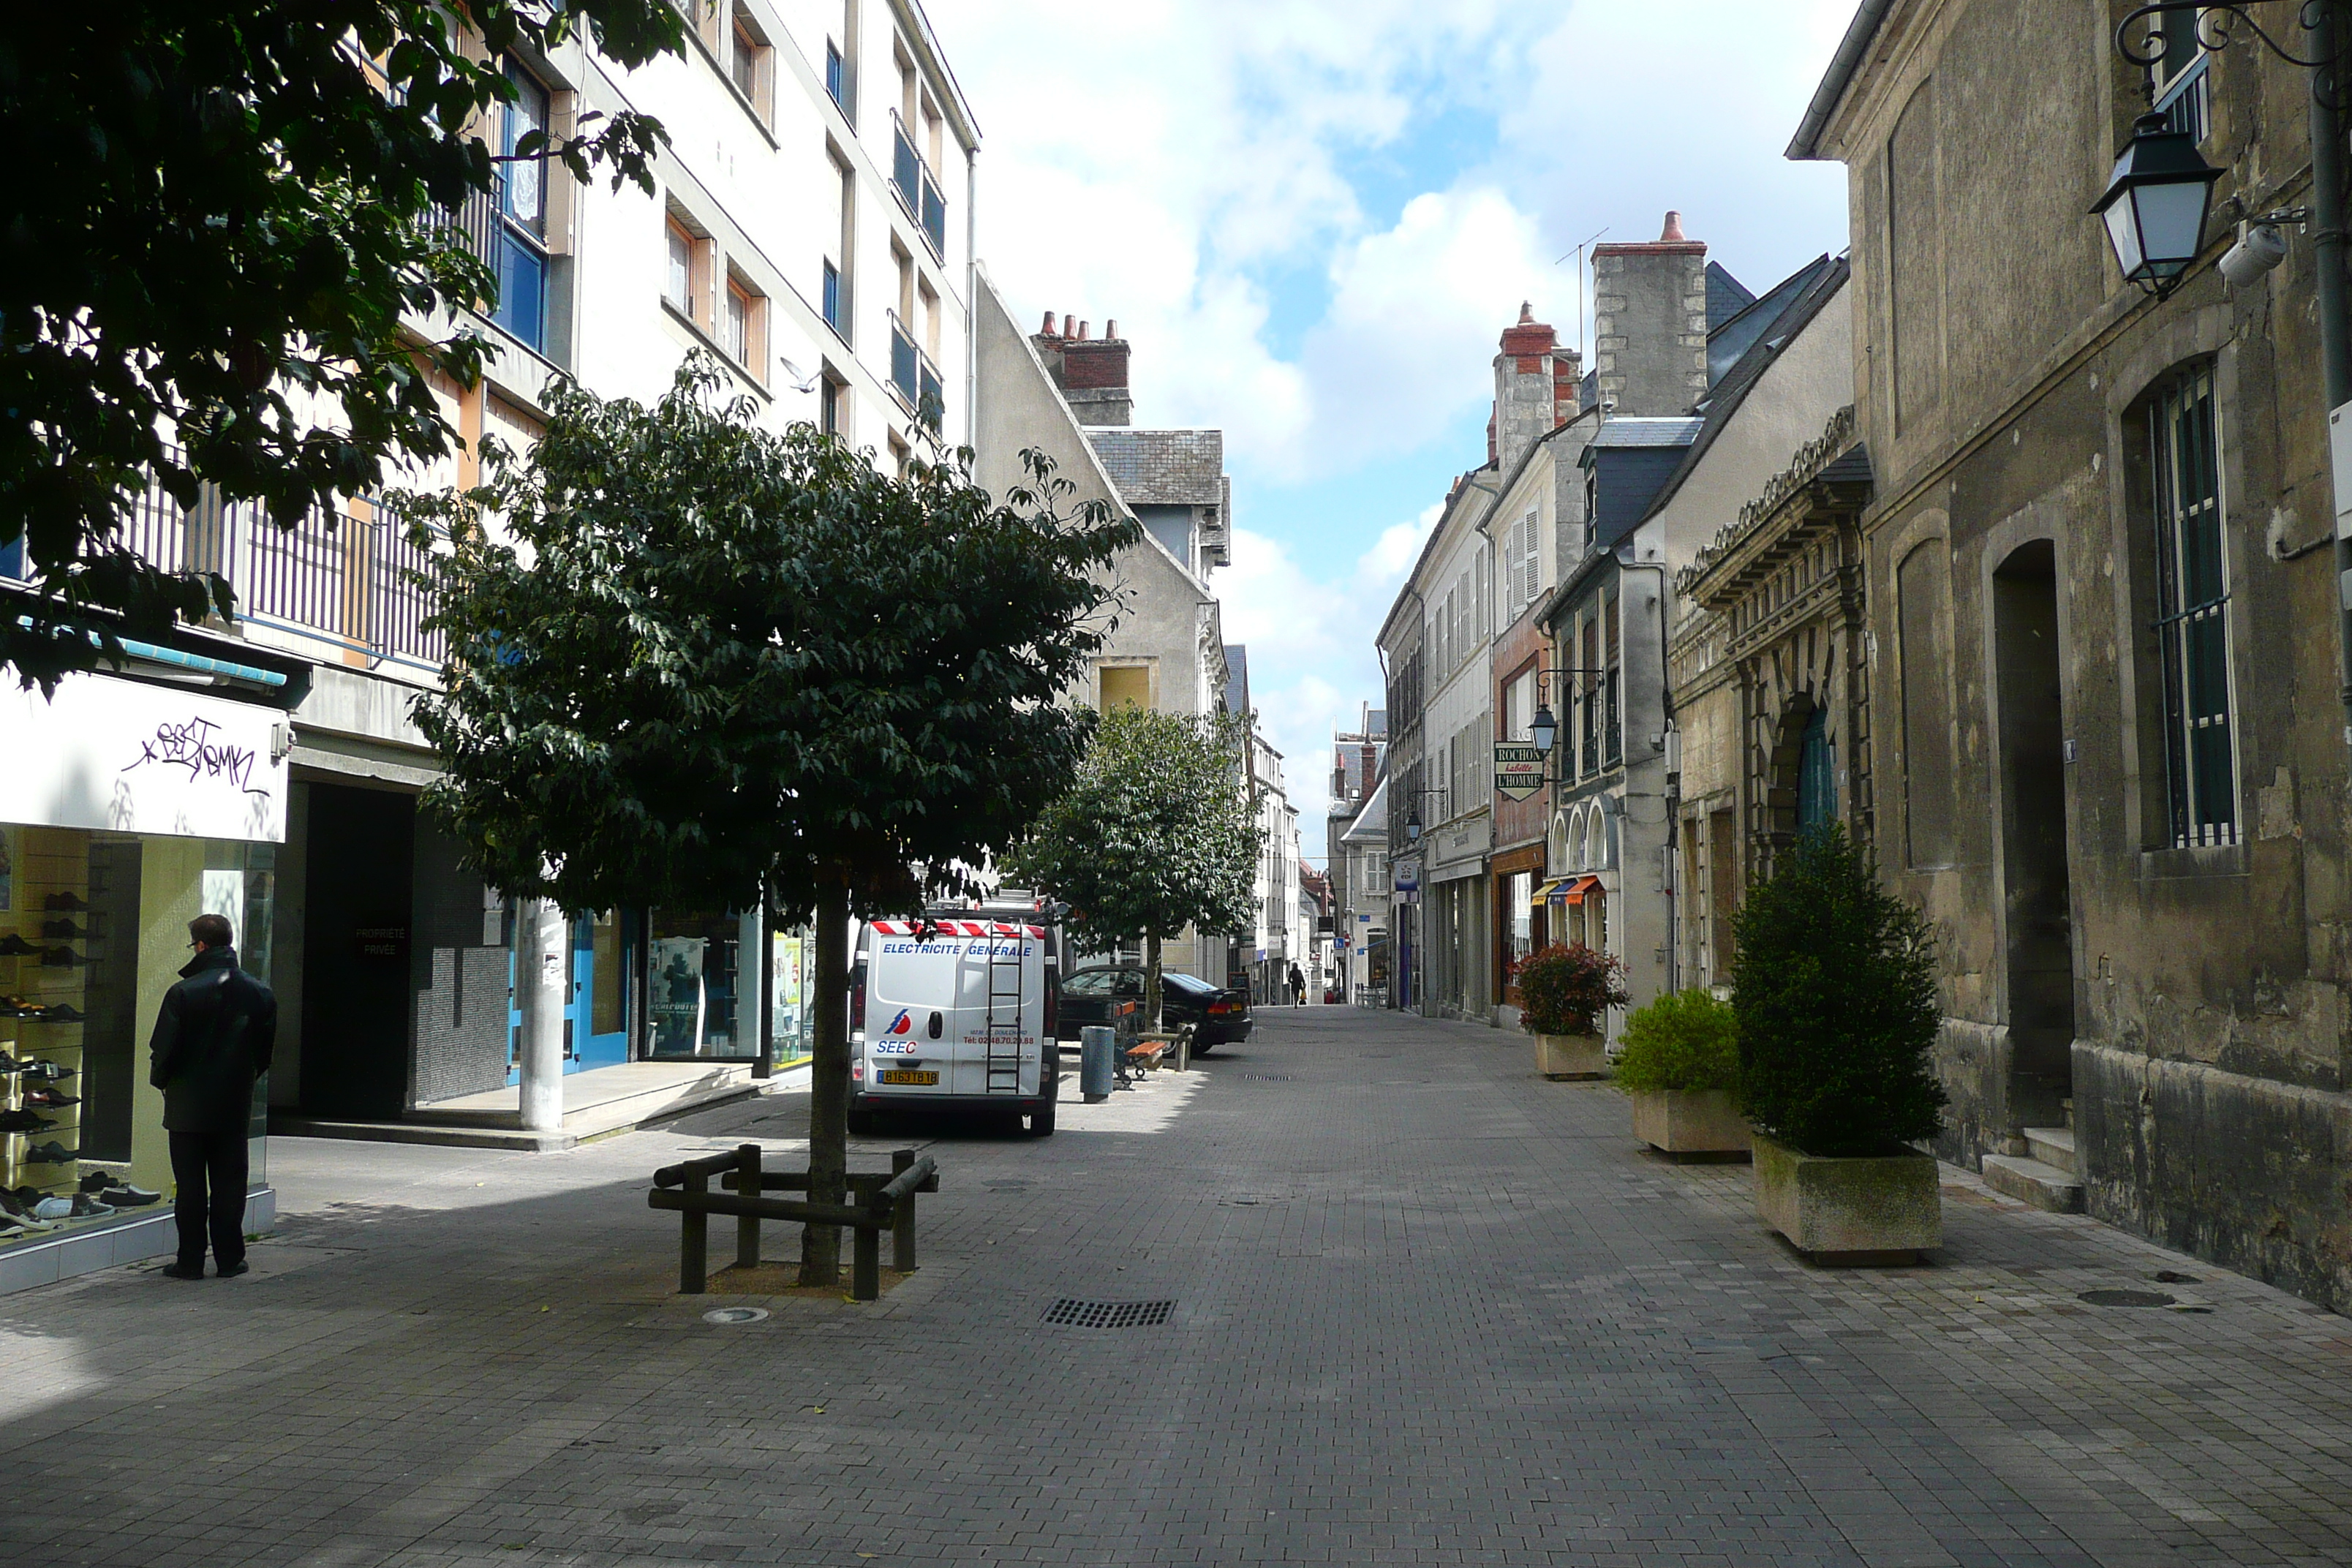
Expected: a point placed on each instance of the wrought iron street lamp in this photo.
(1413, 814)
(2155, 204)
(1543, 729)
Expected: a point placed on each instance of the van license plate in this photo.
(906, 1075)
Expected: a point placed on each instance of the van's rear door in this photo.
(954, 1008)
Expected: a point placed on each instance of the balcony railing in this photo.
(2184, 101)
(919, 190)
(904, 361)
(915, 378)
(339, 579)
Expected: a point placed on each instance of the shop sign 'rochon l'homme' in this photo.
(1518, 769)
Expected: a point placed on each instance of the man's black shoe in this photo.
(62, 958)
(63, 930)
(127, 1198)
(61, 1013)
(63, 901)
(53, 1153)
(182, 1271)
(15, 946)
(231, 1270)
(24, 1122)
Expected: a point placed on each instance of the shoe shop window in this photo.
(82, 1143)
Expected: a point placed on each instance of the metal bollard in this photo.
(747, 1227)
(1097, 1044)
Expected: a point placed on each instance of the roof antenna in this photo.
(1579, 254)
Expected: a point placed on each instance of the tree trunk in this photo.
(828, 1080)
(1151, 990)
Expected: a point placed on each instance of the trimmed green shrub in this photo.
(1689, 1041)
(1565, 987)
(1833, 989)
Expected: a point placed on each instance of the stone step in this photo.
(2054, 1146)
(2043, 1185)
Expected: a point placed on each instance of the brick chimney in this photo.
(1649, 319)
(1534, 388)
(1091, 371)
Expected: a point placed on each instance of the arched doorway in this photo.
(2037, 896)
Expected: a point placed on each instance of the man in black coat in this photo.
(213, 1038)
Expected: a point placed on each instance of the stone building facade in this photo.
(2100, 632)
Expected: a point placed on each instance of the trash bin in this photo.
(1096, 1046)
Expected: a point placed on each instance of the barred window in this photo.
(2192, 626)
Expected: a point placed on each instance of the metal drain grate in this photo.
(2126, 1298)
(1078, 1314)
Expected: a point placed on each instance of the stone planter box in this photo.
(1571, 1055)
(1880, 1208)
(1690, 1121)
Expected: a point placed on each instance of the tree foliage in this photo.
(1834, 988)
(219, 225)
(1157, 831)
(1564, 988)
(1688, 1041)
(697, 662)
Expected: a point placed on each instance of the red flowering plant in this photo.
(1564, 988)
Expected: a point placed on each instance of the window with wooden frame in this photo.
(743, 327)
(750, 65)
(686, 276)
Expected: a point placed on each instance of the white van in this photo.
(957, 1013)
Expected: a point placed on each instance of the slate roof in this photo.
(1726, 296)
(1372, 823)
(1648, 431)
(1819, 281)
(1163, 467)
(1731, 338)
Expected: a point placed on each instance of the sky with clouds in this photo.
(1313, 219)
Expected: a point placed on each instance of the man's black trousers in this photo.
(210, 1168)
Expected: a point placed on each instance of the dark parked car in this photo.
(1218, 1015)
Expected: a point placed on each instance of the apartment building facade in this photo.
(811, 228)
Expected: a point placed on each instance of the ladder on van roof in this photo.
(1005, 1013)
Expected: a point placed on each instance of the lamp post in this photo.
(2214, 26)
(2155, 204)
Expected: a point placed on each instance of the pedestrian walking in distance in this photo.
(213, 1038)
(1298, 988)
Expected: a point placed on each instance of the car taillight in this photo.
(1216, 1007)
(1052, 1010)
(857, 1000)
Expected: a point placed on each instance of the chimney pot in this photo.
(1527, 313)
(1110, 328)
(1047, 330)
(1674, 229)
(1083, 328)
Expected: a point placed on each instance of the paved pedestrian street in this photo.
(1427, 1309)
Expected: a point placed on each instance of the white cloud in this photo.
(1195, 168)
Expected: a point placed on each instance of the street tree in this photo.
(697, 662)
(1157, 832)
(221, 228)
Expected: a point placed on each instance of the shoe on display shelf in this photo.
(54, 1209)
(17, 1007)
(88, 1208)
(14, 1228)
(15, 946)
(48, 1072)
(49, 1099)
(25, 1121)
(62, 958)
(63, 901)
(52, 1153)
(122, 1195)
(60, 1013)
(9, 1064)
(64, 931)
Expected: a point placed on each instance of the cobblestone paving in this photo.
(1428, 1309)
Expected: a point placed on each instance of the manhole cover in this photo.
(734, 1314)
(1079, 1314)
(2126, 1298)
